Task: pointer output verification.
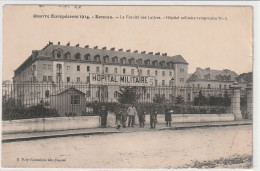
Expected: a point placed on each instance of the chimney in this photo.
(50, 43)
(208, 69)
(164, 54)
(87, 46)
(104, 48)
(95, 47)
(120, 49)
(68, 44)
(112, 49)
(58, 43)
(77, 45)
(157, 53)
(129, 50)
(143, 52)
(136, 51)
(150, 53)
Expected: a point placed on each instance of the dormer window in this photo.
(87, 57)
(115, 59)
(106, 59)
(77, 56)
(67, 55)
(162, 63)
(58, 54)
(155, 63)
(131, 61)
(97, 58)
(147, 62)
(123, 60)
(139, 61)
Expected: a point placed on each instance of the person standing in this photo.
(95, 107)
(124, 117)
(141, 116)
(153, 117)
(118, 114)
(131, 111)
(103, 115)
(168, 117)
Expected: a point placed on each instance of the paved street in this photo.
(152, 149)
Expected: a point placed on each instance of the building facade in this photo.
(213, 79)
(58, 65)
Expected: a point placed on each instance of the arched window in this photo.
(77, 56)
(162, 63)
(97, 58)
(106, 59)
(97, 69)
(131, 61)
(67, 55)
(115, 59)
(58, 54)
(147, 62)
(87, 57)
(123, 60)
(139, 61)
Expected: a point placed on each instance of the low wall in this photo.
(185, 118)
(78, 122)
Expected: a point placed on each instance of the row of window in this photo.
(115, 59)
(47, 78)
(209, 86)
(139, 71)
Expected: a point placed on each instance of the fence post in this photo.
(235, 101)
(249, 101)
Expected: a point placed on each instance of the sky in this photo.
(218, 44)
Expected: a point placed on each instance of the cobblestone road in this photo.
(153, 149)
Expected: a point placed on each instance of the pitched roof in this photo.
(48, 52)
(212, 75)
(59, 92)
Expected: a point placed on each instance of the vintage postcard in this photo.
(127, 87)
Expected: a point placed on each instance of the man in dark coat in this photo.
(124, 117)
(168, 117)
(95, 108)
(103, 114)
(141, 116)
(153, 117)
(118, 113)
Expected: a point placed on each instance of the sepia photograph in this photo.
(127, 87)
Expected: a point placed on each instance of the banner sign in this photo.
(121, 80)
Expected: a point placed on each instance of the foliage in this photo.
(179, 100)
(14, 109)
(70, 114)
(200, 100)
(160, 99)
(226, 101)
(128, 95)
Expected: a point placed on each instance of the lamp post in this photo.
(172, 81)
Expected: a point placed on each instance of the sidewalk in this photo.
(26, 136)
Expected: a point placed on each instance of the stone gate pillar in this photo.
(249, 100)
(235, 101)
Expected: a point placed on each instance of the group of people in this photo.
(123, 114)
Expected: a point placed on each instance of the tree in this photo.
(128, 95)
(159, 99)
(200, 100)
(179, 100)
(226, 101)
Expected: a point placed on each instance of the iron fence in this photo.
(48, 99)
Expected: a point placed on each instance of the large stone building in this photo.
(213, 79)
(65, 64)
